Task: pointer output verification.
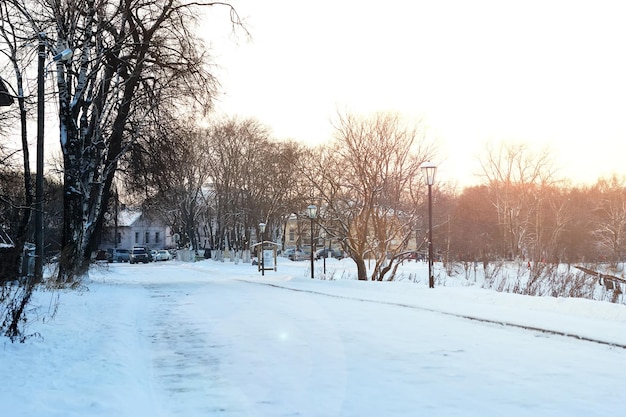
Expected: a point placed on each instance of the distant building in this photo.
(135, 229)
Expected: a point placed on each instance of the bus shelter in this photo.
(266, 253)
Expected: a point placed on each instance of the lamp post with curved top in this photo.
(262, 260)
(429, 170)
(312, 212)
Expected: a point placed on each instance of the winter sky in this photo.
(546, 73)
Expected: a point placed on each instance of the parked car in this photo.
(296, 255)
(325, 253)
(118, 255)
(162, 255)
(139, 254)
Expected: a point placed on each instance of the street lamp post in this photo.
(325, 252)
(312, 212)
(429, 170)
(262, 260)
(39, 175)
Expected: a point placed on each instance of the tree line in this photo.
(221, 181)
(523, 210)
(372, 198)
(231, 176)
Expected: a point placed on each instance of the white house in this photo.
(135, 229)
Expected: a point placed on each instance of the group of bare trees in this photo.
(134, 64)
(524, 211)
(224, 179)
(229, 177)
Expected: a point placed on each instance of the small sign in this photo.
(268, 258)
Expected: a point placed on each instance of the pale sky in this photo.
(546, 73)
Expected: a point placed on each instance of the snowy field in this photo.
(218, 339)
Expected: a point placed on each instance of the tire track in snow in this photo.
(184, 368)
(447, 313)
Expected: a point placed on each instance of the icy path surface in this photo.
(225, 347)
(155, 341)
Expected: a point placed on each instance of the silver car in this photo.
(139, 254)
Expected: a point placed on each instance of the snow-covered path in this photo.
(206, 344)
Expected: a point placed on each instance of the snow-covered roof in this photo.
(128, 217)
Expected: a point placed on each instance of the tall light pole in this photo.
(64, 56)
(262, 229)
(312, 212)
(39, 175)
(429, 170)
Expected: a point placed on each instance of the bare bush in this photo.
(548, 280)
(492, 272)
(14, 301)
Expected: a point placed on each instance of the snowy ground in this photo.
(218, 339)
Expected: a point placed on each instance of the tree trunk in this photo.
(361, 268)
(73, 262)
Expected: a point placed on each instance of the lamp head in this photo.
(429, 169)
(312, 211)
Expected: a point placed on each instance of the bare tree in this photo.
(517, 179)
(17, 206)
(557, 218)
(610, 218)
(12, 35)
(370, 186)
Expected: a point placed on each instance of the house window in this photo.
(136, 237)
(157, 237)
(292, 234)
(147, 237)
(119, 237)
